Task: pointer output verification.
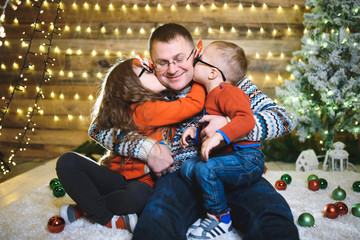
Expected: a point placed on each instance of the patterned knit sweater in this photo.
(271, 121)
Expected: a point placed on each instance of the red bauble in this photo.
(314, 184)
(280, 185)
(331, 211)
(343, 209)
(56, 224)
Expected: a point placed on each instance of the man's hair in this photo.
(232, 60)
(168, 32)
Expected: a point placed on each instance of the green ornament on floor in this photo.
(339, 194)
(311, 177)
(355, 210)
(59, 191)
(356, 186)
(287, 178)
(323, 183)
(306, 220)
(54, 182)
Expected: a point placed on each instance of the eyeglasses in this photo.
(145, 64)
(163, 65)
(197, 59)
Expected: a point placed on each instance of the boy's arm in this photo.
(271, 120)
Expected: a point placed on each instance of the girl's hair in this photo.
(120, 89)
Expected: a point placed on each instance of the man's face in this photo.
(173, 61)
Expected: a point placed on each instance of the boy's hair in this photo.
(233, 59)
(168, 32)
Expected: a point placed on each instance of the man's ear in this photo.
(213, 74)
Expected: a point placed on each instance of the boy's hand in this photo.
(209, 144)
(190, 132)
(215, 122)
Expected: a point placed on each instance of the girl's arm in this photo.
(163, 113)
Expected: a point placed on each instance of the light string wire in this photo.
(45, 76)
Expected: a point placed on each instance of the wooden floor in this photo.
(17, 187)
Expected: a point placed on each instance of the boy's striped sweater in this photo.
(271, 121)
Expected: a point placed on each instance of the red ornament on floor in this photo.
(343, 209)
(331, 211)
(280, 185)
(314, 185)
(56, 224)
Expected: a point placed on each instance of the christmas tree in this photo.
(324, 96)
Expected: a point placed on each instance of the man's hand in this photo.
(160, 159)
(190, 132)
(209, 144)
(215, 122)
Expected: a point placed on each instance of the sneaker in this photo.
(195, 225)
(127, 222)
(212, 227)
(71, 213)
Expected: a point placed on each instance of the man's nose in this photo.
(172, 67)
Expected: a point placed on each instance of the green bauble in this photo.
(59, 191)
(306, 220)
(312, 176)
(286, 178)
(54, 182)
(355, 210)
(339, 194)
(356, 186)
(323, 183)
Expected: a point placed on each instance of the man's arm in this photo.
(271, 120)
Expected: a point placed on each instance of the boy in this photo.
(238, 164)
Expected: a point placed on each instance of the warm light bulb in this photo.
(213, 6)
(296, 7)
(103, 29)
(132, 53)
(61, 73)
(88, 30)
(97, 7)
(119, 54)
(91, 97)
(56, 118)
(16, 21)
(78, 28)
(61, 96)
(123, 7)
(99, 75)
(221, 29)
(76, 96)
(57, 50)
(70, 74)
(84, 75)
(173, 8)
(142, 30)
(80, 117)
(129, 31)
(209, 30)
(282, 55)
(240, 6)
(289, 29)
(196, 30)
(279, 8)
(225, 5)
(16, 66)
(67, 28)
(233, 29)
(69, 51)
(201, 7)
(188, 6)
(70, 117)
(252, 7)
(257, 55)
(261, 30)
(147, 8)
(79, 52)
(269, 54)
(159, 6)
(267, 78)
(74, 5)
(249, 31)
(111, 7)
(52, 94)
(264, 5)
(3, 66)
(107, 52)
(93, 53)
(116, 31)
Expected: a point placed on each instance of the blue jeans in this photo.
(222, 173)
(258, 211)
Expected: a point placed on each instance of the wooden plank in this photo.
(55, 137)
(220, 30)
(53, 106)
(208, 15)
(41, 151)
(61, 122)
(84, 87)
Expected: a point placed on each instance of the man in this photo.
(258, 211)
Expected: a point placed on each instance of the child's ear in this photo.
(213, 74)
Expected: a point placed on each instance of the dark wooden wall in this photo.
(269, 34)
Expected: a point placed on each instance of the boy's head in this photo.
(228, 59)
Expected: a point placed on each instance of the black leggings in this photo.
(99, 191)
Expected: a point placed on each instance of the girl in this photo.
(115, 192)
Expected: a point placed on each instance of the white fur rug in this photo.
(27, 218)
